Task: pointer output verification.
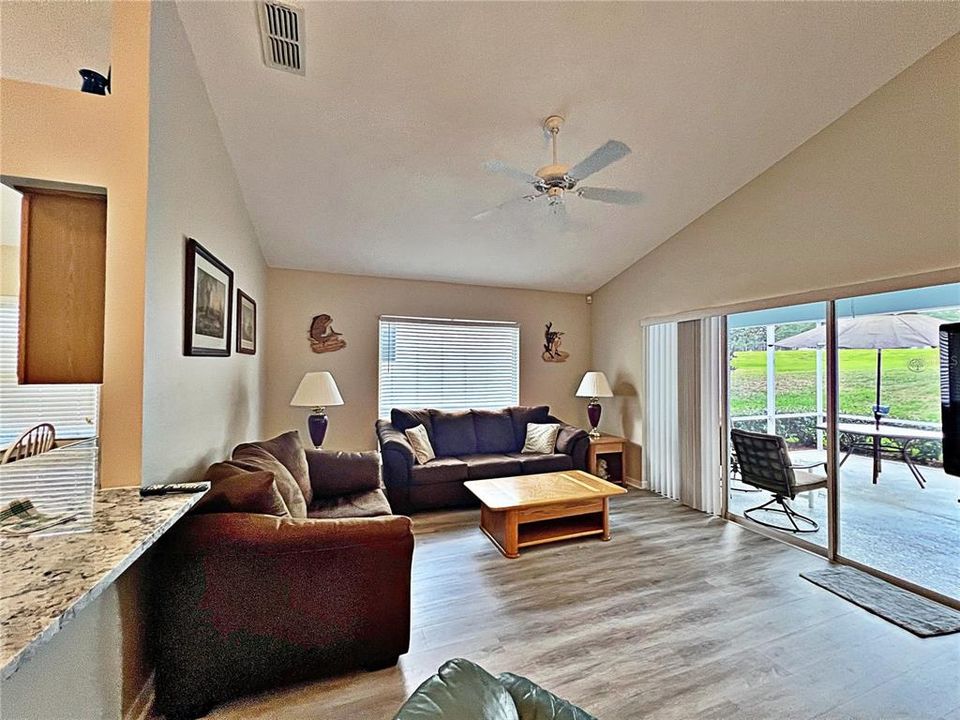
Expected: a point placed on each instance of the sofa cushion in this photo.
(461, 690)
(481, 467)
(568, 437)
(404, 418)
(439, 470)
(522, 415)
(236, 490)
(531, 463)
(494, 431)
(368, 503)
(453, 433)
(254, 458)
(288, 449)
(535, 703)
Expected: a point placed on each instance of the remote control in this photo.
(193, 487)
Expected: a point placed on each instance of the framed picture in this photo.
(246, 324)
(207, 304)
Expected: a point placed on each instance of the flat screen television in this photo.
(950, 396)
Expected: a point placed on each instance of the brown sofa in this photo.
(247, 601)
(470, 445)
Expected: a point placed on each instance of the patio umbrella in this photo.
(873, 332)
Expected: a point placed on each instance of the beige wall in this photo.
(195, 409)
(10, 270)
(875, 195)
(356, 303)
(55, 134)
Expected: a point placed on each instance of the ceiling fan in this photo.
(555, 180)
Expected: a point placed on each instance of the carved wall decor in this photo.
(551, 345)
(323, 338)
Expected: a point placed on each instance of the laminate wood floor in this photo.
(680, 616)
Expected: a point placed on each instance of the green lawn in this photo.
(911, 384)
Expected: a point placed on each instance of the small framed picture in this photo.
(246, 324)
(207, 304)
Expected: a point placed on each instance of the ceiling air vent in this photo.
(281, 35)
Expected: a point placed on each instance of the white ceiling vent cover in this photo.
(281, 35)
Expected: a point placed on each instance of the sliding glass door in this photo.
(891, 508)
(898, 510)
(779, 389)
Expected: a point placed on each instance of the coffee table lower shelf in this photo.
(511, 530)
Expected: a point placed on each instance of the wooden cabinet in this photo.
(62, 283)
(605, 458)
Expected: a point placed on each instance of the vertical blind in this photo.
(73, 410)
(681, 427)
(711, 465)
(661, 437)
(448, 364)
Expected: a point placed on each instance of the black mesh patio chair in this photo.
(765, 464)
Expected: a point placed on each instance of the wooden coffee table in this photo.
(525, 510)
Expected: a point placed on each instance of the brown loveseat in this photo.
(247, 600)
(470, 445)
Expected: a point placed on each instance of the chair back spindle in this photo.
(38, 439)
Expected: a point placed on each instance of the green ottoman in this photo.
(462, 690)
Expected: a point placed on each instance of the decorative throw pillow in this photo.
(236, 490)
(420, 442)
(288, 449)
(253, 458)
(541, 438)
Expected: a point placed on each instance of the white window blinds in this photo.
(448, 364)
(61, 480)
(73, 410)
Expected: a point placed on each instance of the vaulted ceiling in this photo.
(371, 163)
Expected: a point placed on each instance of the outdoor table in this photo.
(901, 436)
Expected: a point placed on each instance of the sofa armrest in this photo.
(245, 602)
(398, 455)
(333, 474)
(573, 441)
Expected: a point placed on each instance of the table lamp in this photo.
(594, 385)
(317, 390)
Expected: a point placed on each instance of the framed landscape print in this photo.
(246, 324)
(208, 303)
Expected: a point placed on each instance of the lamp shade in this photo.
(317, 389)
(594, 384)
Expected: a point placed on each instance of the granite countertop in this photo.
(47, 577)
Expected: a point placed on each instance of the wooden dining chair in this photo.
(34, 441)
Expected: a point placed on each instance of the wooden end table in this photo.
(525, 510)
(611, 449)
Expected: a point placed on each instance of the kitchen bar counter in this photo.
(47, 577)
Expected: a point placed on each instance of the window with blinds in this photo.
(74, 410)
(61, 480)
(448, 364)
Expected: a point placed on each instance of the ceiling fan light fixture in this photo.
(555, 179)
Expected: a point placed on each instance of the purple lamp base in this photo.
(317, 423)
(593, 414)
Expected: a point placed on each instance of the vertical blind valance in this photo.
(448, 364)
(73, 410)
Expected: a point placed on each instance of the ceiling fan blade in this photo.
(505, 205)
(495, 166)
(610, 195)
(609, 152)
